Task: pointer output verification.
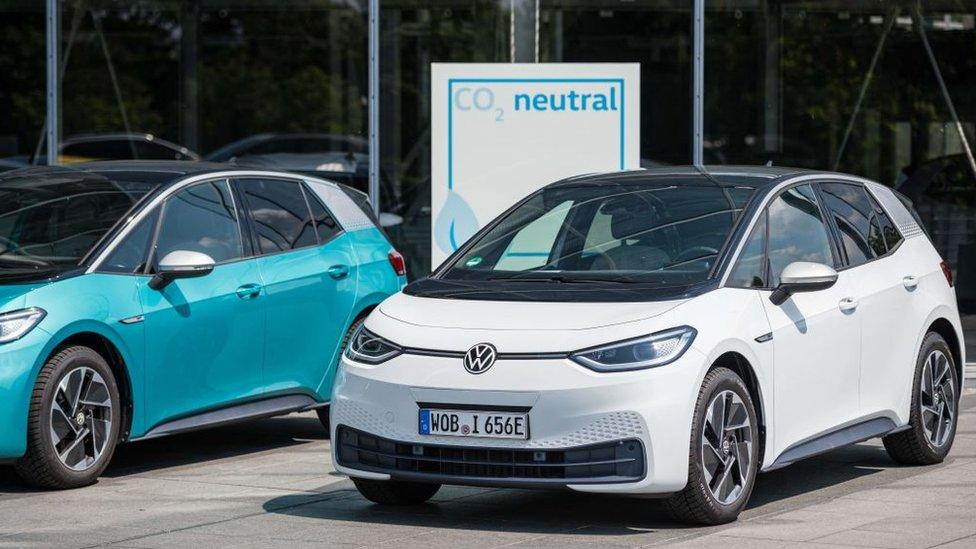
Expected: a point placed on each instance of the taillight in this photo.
(398, 263)
(947, 272)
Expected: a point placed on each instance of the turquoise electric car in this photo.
(139, 300)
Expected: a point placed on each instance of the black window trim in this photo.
(251, 224)
(309, 197)
(835, 231)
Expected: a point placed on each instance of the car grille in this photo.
(618, 461)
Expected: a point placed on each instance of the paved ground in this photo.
(268, 484)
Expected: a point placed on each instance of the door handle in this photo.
(910, 282)
(249, 291)
(847, 304)
(338, 271)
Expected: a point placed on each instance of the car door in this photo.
(204, 336)
(885, 287)
(310, 281)
(815, 335)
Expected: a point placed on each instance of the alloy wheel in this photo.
(937, 398)
(726, 450)
(81, 418)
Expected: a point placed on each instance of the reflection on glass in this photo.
(655, 232)
(202, 219)
(22, 81)
(797, 231)
(852, 86)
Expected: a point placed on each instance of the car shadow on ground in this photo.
(544, 512)
(198, 447)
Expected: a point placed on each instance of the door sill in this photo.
(259, 409)
(832, 440)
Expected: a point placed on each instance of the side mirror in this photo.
(803, 276)
(181, 264)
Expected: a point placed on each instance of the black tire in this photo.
(696, 503)
(323, 412)
(395, 492)
(40, 465)
(913, 445)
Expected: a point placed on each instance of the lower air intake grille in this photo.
(618, 461)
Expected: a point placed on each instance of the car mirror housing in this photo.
(181, 264)
(803, 276)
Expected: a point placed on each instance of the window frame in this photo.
(252, 232)
(835, 231)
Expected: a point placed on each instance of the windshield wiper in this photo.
(562, 279)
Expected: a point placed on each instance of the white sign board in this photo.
(502, 131)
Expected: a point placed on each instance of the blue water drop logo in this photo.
(455, 223)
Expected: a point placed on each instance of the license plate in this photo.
(467, 423)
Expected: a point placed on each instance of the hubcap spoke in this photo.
(937, 398)
(726, 451)
(81, 418)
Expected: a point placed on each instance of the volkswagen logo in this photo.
(479, 358)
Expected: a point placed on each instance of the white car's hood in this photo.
(517, 315)
(512, 326)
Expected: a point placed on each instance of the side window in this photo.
(280, 214)
(887, 227)
(853, 214)
(325, 225)
(750, 268)
(129, 256)
(796, 231)
(201, 218)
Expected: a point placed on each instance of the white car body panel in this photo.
(816, 355)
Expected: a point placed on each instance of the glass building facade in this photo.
(882, 89)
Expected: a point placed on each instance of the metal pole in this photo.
(698, 95)
(374, 105)
(53, 83)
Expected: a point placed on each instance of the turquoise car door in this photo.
(309, 282)
(204, 336)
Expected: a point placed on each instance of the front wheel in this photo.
(73, 425)
(935, 405)
(723, 458)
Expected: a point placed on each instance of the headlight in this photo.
(634, 354)
(365, 346)
(15, 325)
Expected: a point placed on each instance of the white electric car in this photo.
(669, 332)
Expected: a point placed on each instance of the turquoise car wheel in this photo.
(74, 421)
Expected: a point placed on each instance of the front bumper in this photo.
(574, 414)
(19, 361)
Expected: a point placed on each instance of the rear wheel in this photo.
(395, 492)
(935, 404)
(723, 457)
(73, 425)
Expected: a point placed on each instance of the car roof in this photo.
(159, 172)
(732, 176)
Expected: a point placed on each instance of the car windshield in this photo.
(50, 222)
(660, 234)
